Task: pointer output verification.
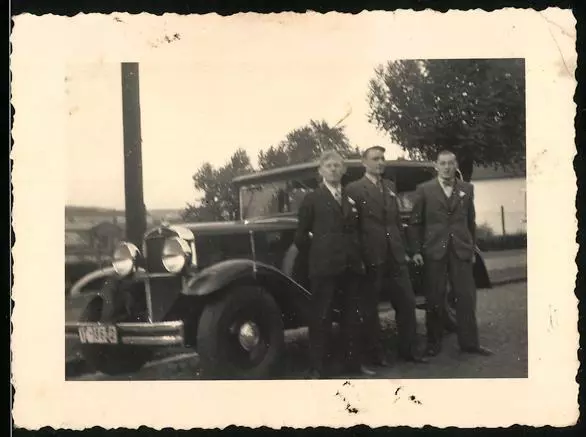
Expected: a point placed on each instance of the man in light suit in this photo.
(328, 228)
(442, 232)
(383, 249)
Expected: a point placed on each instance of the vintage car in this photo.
(227, 289)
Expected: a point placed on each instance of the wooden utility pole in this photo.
(503, 220)
(133, 193)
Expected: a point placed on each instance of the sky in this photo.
(245, 86)
(198, 111)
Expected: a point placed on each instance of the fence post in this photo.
(503, 219)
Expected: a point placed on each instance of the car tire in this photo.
(223, 329)
(450, 321)
(107, 359)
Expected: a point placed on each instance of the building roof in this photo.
(313, 165)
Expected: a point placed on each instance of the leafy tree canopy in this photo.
(475, 108)
(220, 200)
(306, 144)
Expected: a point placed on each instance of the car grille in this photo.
(154, 250)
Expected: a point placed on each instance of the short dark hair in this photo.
(379, 148)
(445, 152)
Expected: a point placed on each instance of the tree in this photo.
(475, 108)
(220, 200)
(306, 144)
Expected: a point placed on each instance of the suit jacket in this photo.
(381, 230)
(334, 245)
(437, 220)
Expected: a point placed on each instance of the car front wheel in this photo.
(241, 335)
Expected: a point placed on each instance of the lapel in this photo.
(390, 198)
(454, 200)
(330, 200)
(372, 192)
(346, 207)
(439, 193)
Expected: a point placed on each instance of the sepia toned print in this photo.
(350, 228)
(221, 295)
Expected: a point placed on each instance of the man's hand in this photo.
(418, 259)
(407, 259)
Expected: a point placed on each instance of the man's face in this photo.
(332, 170)
(374, 162)
(446, 166)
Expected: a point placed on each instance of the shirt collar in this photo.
(332, 189)
(443, 184)
(373, 179)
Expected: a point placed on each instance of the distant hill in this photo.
(170, 214)
(88, 216)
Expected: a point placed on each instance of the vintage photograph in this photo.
(388, 243)
(295, 219)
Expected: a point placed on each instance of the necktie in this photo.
(338, 196)
(448, 188)
(381, 188)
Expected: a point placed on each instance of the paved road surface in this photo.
(506, 265)
(502, 314)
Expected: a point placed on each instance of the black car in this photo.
(227, 289)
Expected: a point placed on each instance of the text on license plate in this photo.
(100, 334)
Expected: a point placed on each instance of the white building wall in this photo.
(491, 194)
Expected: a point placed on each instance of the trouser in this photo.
(460, 275)
(324, 289)
(393, 279)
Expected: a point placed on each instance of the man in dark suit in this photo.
(328, 229)
(443, 232)
(383, 249)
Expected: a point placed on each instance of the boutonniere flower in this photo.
(461, 194)
(352, 203)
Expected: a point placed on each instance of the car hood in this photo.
(241, 226)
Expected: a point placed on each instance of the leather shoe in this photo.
(480, 350)
(313, 374)
(433, 350)
(419, 359)
(367, 371)
(382, 362)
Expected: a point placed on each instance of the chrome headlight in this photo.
(176, 254)
(124, 259)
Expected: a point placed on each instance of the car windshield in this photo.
(272, 198)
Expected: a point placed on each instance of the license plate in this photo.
(98, 334)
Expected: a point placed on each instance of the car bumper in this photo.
(169, 333)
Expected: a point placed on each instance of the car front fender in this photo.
(292, 298)
(79, 285)
(481, 278)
